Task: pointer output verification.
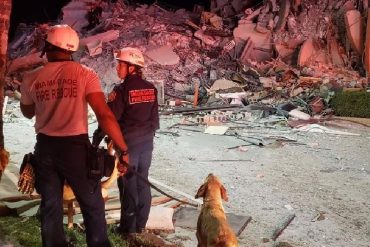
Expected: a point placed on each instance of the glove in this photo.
(26, 182)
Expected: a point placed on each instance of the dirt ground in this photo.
(329, 176)
(323, 179)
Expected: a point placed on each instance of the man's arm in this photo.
(28, 110)
(106, 119)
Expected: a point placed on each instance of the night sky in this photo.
(35, 11)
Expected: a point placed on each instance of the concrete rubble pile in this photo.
(275, 54)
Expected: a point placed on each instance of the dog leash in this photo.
(130, 169)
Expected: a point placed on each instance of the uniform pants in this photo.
(60, 159)
(135, 194)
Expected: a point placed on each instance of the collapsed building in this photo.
(283, 54)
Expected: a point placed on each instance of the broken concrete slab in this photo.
(299, 114)
(94, 48)
(216, 21)
(74, 15)
(310, 52)
(306, 52)
(262, 41)
(187, 217)
(160, 218)
(354, 28)
(268, 82)
(283, 14)
(163, 55)
(216, 130)
(26, 62)
(245, 31)
(182, 87)
(336, 57)
(316, 128)
(236, 98)
(159, 85)
(223, 84)
(103, 37)
(285, 53)
(247, 51)
(208, 40)
(296, 92)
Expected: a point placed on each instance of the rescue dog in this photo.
(69, 197)
(213, 230)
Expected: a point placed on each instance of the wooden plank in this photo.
(280, 227)
(20, 198)
(160, 200)
(176, 205)
(191, 198)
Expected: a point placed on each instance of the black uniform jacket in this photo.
(136, 108)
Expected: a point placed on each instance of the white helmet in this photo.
(63, 36)
(131, 55)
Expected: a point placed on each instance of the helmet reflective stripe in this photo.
(131, 55)
(63, 36)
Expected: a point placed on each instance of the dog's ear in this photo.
(201, 191)
(224, 194)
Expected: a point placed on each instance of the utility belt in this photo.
(99, 162)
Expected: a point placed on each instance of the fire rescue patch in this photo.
(141, 96)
